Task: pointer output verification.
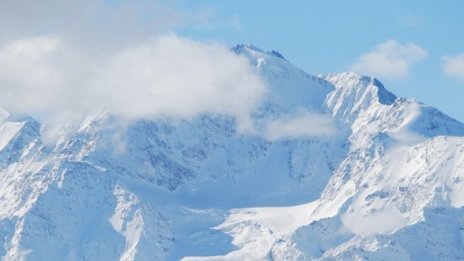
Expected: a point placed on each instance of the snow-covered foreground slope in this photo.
(338, 168)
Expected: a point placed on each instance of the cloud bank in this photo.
(454, 66)
(119, 57)
(168, 76)
(391, 60)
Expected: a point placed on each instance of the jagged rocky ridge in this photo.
(387, 185)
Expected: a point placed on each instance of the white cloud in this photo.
(389, 60)
(96, 56)
(76, 57)
(169, 76)
(304, 125)
(454, 66)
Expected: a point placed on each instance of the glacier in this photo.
(384, 182)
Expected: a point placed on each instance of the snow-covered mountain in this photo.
(339, 168)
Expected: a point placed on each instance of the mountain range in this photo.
(337, 168)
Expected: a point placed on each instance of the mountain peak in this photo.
(360, 83)
(251, 50)
(241, 48)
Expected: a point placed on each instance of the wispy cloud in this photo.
(304, 125)
(390, 59)
(454, 66)
(90, 21)
(235, 22)
(412, 20)
(77, 57)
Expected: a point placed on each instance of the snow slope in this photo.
(387, 183)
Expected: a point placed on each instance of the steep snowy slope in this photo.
(385, 182)
(399, 167)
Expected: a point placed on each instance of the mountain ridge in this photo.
(200, 190)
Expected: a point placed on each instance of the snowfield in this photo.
(337, 168)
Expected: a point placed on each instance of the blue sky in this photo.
(332, 36)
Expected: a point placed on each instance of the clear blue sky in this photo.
(330, 36)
